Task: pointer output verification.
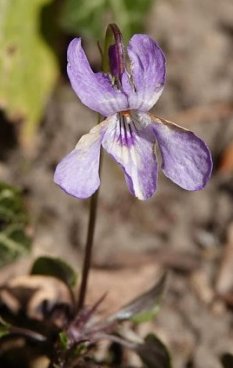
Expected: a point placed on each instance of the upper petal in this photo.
(148, 72)
(186, 159)
(131, 143)
(78, 173)
(95, 90)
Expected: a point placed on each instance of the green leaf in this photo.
(11, 205)
(85, 17)
(88, 18)
(28, 67)
(64, 341)
(144, 307)
(54, 267)
(130, 15)
(4, 328)
(14, 241)
(154, 353)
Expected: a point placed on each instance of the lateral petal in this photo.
(78, 173)
(95, 90)
(186, 159)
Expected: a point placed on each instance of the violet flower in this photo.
(129, 133)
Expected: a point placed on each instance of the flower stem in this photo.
(112, 32)
(88, 247)
(89, 240)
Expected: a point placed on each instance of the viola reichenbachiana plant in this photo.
(130, 84)
(124, 95)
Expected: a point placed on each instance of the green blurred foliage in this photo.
(90, 17)
(4, 328)
(28, 67)
(14, 240)
(29, 40)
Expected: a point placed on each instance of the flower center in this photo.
(125, 113)
(126, 133)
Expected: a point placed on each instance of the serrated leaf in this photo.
(54, 267)
(88, 18)
(28, 68)
(14, 241)
(11, 205)
(144, 307)
(154, 353)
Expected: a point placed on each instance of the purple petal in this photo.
(148, 71)
(95, 90)
(186, 158)
(131, 143)
(78, 173)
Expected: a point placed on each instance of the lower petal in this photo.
(78, 173)
(131, 143)
(186, 159)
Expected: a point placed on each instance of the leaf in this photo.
(130, 15)
(226, 165)
(28, 67)
(11, 205)
(14, 241)
(64, 340)
(85, 17)
(55, 267)
(4, 328)
(38, 297)
(144, 307)
(88, 18)
(227, 360)
(154, 353)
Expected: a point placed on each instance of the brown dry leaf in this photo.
(226, 165)
(201, 284)
(121, 285)
(224, 283)
(29, 293)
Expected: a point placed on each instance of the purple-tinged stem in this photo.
(88, 249)
(114, 33)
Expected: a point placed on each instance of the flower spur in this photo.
(130, 133)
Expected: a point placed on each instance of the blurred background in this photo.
(188, 233)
